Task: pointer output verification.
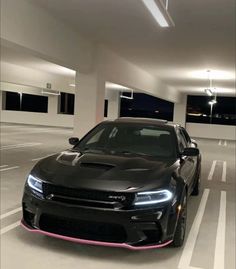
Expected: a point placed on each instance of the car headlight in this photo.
(153, 197)
(35, 183)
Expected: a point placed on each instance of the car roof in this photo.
(145, 120)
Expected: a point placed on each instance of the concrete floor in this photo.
(210, 242)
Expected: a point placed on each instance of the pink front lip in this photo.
(96, 243)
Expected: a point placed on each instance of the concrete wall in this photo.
(180, 111)
(23, 75)
(52, 118)
(211, 131)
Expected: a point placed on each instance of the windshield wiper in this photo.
(87, 150)
(127, 152)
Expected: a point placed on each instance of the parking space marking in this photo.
(16, 146)
(187, 253)
(2, 166)
(219, 260)
(10, 227)
(9, 168)
(9, 126)
(224, 172)
(222, 143)
(39, 131)
(210, 176)
(12, 212)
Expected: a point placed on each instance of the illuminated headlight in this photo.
(153, 197)
(35, 183)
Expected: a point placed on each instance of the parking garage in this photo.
(68, 65)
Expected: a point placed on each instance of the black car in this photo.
(124, 184)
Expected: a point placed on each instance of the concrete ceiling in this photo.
(204, 37)
(19, 57)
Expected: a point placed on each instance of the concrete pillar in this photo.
(113, 98)
(180, 111)
(89, 102)
(1, 100)
(52, 105)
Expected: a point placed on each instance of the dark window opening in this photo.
(223, 112)
(12, 101)
(146, 106)
(106, 108)
(66, 103)
(26, 102)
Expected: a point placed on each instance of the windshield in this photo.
(128, 139)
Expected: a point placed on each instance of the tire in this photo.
(196, 188)
(179, 235)
(195, 191)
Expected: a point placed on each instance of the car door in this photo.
(188, 163)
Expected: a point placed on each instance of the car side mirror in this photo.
(191, 152)
(73, 141)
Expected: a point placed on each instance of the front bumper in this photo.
(92, 242)
(132, 229)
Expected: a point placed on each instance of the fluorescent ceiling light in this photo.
(209, 92)
(131, 97)
(159, 12)
(72, 85)
(50, 92)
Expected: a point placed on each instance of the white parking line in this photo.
(9, 168)
(219, 260)
(16, 146)
(10, 227)
(8, 126)
(51, 131)
(210, 176)
(187, 253)
(224, 172)
(2, 166)
(12, 212)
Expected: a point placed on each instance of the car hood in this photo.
(105, 172)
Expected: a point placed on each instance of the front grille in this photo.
(103, 199)
(82, 229)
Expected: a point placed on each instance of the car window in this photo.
(181, 140)
(187, 137)
(95, 138)
(131, 139)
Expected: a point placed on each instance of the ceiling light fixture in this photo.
(159, 12)
(131, 97)
(72, 85)
(50, 92)
(212, 102)
(209, 92)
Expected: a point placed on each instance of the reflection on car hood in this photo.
(105, 172)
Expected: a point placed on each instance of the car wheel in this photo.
(181, 225)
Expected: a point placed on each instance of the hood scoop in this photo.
(97, 165)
